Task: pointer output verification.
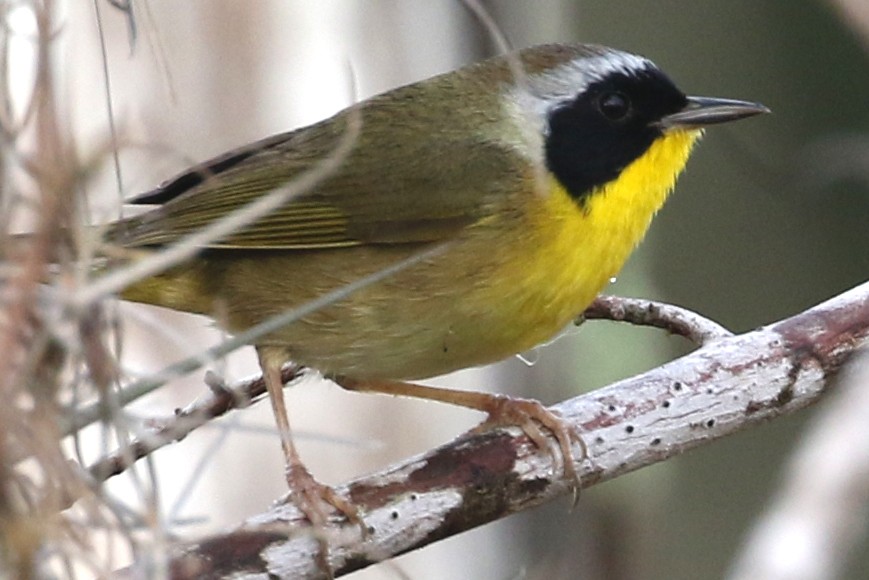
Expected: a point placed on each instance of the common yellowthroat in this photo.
(539, 184)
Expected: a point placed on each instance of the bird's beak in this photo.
(703, 111)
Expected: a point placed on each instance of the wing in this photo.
(403, 182)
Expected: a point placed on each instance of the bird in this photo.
(512, 189)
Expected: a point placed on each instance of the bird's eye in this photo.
(614, 106)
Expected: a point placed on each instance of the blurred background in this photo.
(771, 217)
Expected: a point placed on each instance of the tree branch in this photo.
(727, 386)
(641, 312)
(161, 432)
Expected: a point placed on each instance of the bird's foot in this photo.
(529, 415)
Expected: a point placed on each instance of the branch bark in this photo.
(729, 385)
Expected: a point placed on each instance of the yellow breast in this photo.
(567, 253)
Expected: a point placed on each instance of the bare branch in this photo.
(674, 319)
(727, 386)
(220, 400)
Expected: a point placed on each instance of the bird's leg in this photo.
(307, 493)
(502, 410)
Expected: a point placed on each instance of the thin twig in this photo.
(674, 319)
(220, 400)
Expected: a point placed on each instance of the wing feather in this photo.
(402, 182)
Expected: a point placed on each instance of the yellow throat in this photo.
(580, 248)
